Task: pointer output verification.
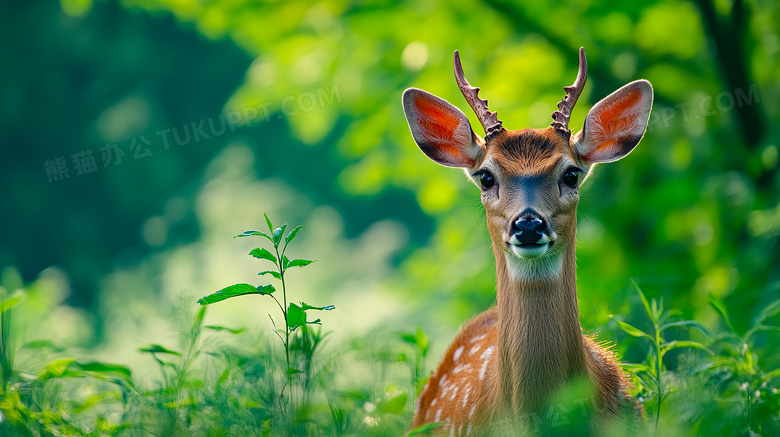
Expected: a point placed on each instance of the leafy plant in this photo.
(33, 405)
(294, 315)
(736, 367)
(650, 373)
(419, 342)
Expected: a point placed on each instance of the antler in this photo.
(489, 120)
(573, 92)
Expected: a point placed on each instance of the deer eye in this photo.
(486, 180)
(571, 177)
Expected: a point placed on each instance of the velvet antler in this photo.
(565, 106)
(489, 120)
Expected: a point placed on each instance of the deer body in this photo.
(509, 362)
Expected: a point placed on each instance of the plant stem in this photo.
(659, 359)
(280, 264)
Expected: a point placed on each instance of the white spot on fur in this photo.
(438, 415)
(485, 357)
(468, 430)
(457, 353)
(460, 368)
(433, 402)
(478, 338)
(475, 349)
(442, 380)
(466, 392)
(488, 352)
(473, 409)
(454, 393)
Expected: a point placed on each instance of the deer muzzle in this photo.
(530, 234)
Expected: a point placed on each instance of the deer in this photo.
(510, 361)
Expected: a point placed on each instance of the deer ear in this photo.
(615, 124)
(441, 130)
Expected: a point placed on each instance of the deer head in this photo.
(529, 178)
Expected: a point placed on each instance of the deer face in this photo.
(529, 184)
(529, 179)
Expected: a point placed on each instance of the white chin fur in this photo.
(532, 263)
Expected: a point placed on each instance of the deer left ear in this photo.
(615, 124)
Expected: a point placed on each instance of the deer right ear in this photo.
(441, 130)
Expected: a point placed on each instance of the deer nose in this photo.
(529, 223)
(528, 228)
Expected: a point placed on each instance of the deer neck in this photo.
(540, 344)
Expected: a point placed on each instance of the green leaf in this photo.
(630, 330)
(715, 362)
(68, 367)
(157, 349)
(658, 309)
(409, 338)
(285, 262)
(394, 405)
(759, 328)
(293, 371)
(669, 314)
(11, 301)
(268, 221)
(253, 233)
(771, 375)
(235, 290)
(688, 323)
(223, 328)
(278, 233)
(721, 309)
(672, 345)
(292, 235)
(299, 263)
(644, 300)
(273, 273)
(422, 341)
(198, 321)
(636, 368)
(306, 306)
(424, 428)
(56, 368)
(98, 367)
(43, 344)
(417, 339)
(96, 399)
(768, 312)
(263, 254)
(296, 316)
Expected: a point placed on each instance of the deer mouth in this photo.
(530, 250)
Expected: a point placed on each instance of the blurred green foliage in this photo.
(693, 212)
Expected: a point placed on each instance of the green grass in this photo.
(695, 380)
